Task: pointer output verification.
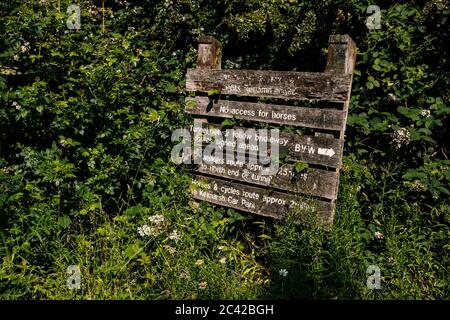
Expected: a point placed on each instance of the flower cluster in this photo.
(25, 47)
(170, 249)
(425, 113)
(417, 185)
(63, 143)
(16, 105)
(378, 235)
(392, 97)
(157, 219)
(401, 137)
(174, 236)
(123, 3)
(146, 230)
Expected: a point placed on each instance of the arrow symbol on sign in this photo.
(326, 152)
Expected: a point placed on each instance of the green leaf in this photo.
(64, 221)
(132, 250)
(228, 123)
(300, 167)
(170, 88)
(133, 211)
(414, 174)
(214, 93)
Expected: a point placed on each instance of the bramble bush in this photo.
(85, 171)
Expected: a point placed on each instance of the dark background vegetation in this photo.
(85, 123)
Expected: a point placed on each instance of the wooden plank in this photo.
(271, 84)
(316, 182)
(320, 150)
(330, 119)
(256, 200)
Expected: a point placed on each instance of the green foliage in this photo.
(300, 167)
(85, 123)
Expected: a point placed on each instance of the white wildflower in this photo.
(283, 272)
(425, 113)
(174, 236)
(25, 47)
(156, 219)
(170, 249)
(392, 97)
(202, 285)
(16, 105)
(401, 137)
(379, 235)
(223, 260)
(146, 230)
(417, 185)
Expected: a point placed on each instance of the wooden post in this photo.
(209, 53)
(341, 60)
(209, 56)
(341, 54)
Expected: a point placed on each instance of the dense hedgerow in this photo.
(86, 118)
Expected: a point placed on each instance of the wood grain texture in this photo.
(257, 200)
(271, 84)
(209, 53)
(327, 118)
(315, 182)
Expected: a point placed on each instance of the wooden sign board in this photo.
(332, 119)
(271, 84)
(316, 182)
(263, 201)
(318, 150)
(246, 186)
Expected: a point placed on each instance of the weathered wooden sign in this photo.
(246, 185)
(319, 150)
